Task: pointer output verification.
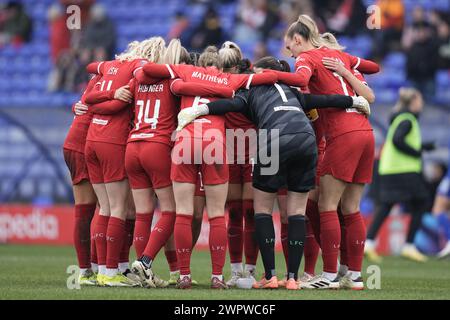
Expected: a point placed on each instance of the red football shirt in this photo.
(320, 80)
(76, 136)
(112, 128)
(156, 110)
(210, 76)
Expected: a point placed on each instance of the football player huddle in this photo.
(215, 133)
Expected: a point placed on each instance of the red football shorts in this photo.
(77, 166)
(148, 165)
(191, 156)
(105, 162)
(349, 157)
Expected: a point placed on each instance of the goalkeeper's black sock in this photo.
(296, 241)
(265, 236)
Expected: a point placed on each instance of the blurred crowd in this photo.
(72, 50)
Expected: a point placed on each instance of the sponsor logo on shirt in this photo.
(286, 108)
(100, 121)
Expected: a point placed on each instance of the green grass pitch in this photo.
(39, 272)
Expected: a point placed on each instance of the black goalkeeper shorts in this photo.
(297, 160)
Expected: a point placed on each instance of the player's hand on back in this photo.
(124, 94)
(188, 115)
(335, 66)
(362, 105)
(79, 109)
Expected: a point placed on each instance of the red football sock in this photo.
(250, 245)
(343, 260)
(93, 246)
(183, 242)
(128, 241)
(330, 239)
(100, 238)
(312, 213)
(160, 234)
(115, 236)
(311, 250)
(217, 243)
(82, 234)
(235, 230)
(284, 242)
(356, 236)
(142, 231)
(171, 257)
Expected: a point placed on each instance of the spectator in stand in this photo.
(59, 34)
(255, 21)
(98, 42)
(418, 17)
(180, 28)
(440, 21)
(260, 51)
(209, 32)
(343, 17)
(392, 17)
(422, 60)
(15, 25)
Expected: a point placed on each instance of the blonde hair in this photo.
(176, 53)
(129, 53)
(152, 49)
(307, 28)
(210, 58)
(405, 97)
(230, 55)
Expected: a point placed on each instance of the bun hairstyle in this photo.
(230, 55)
(273, 64)
(405, 97)
(210, 58)
(307, 28)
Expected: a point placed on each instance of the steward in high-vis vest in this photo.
(400, 172)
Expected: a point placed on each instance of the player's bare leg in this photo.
(199, 207)
(216, 196)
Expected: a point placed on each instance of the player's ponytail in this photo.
(210, 58)
(331, 42)
(273, 64)
(306, 27)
